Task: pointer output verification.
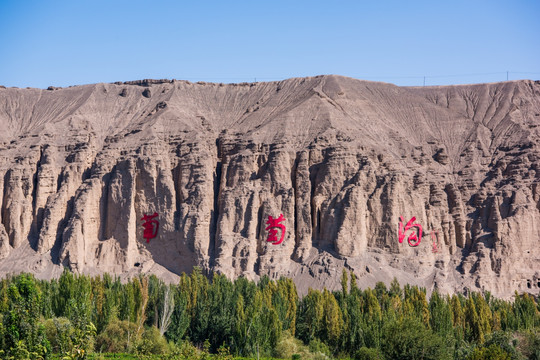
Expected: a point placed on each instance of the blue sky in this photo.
(64, 43)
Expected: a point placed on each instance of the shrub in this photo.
(152, 342)
(118, 336)
(505, 341)
(365, 353)
(288, 345)
(492, 352)
(316, 346)
(529, 344)
(409, 339)
(59, 332)
(185, 350)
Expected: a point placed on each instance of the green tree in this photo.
(484, 313)
(372, 322)
(66, 291)
(221, 315)
(440, 315)
(22, 331)
(382, 295)
(344, 283)
(242, 327)
(332, 321)
(395, 289)
(526, 312)
(180, 316)
(199, 306)
(285, 301)
(311, 312)
(409, 339)
(474, 330)
(353, 335)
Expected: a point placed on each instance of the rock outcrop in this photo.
(343, 160)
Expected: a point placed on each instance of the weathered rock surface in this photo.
(341, 159)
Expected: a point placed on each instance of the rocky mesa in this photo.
(348, 164)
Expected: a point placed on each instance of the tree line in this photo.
(78, 315)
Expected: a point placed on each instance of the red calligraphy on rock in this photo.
(151, 226)
(413, 239)
(273, 225)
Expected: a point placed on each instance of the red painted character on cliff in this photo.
(412, 237)
(150, 226)
(273, 225)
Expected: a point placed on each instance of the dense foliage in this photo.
(77, 315)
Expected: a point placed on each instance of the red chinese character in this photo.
(272, 224)
(150, 231)
(413, 235)
(435, 238)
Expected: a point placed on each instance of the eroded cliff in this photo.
(341, 159)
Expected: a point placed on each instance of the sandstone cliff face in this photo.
(341, 159)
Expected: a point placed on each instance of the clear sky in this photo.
(75, 42)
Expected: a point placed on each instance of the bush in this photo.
(528, 344)
(463, 350)
(185, 350)
(67, 340)
(409, 339)
(492, 352)
(118, 336)
(368, 354)
(152, 343)
(83, 342)
(224, 353)
(505, 341)
(288, 345)
(59, 332)
(533, 343)
(316, 346)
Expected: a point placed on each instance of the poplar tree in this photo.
(354, 286)
(484, 313)
(221, 310)
(372, 320)
(180, 318)
(332, 319)
(241, 327)
(311, 312)
(344, 283)
(201, 309)
(395, 289)
(98, 300)
(354, 332)
(526, 311)
(474, 330)
(441, 315)
(458, 316)
(285, 302)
